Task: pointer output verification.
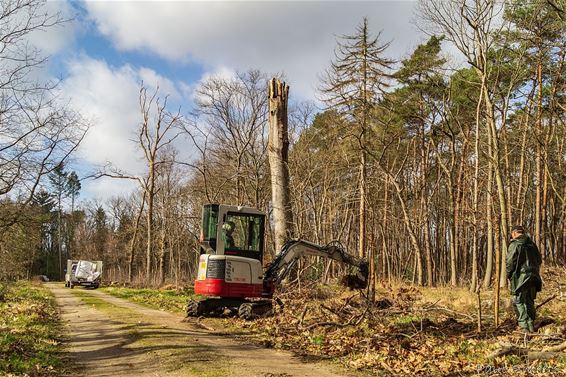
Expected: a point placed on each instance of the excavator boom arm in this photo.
(293, 250)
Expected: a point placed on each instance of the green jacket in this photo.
(523, 264)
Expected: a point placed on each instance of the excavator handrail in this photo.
(285, 260)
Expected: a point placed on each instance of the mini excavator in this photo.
(231, 274)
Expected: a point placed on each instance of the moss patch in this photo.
(102, 305)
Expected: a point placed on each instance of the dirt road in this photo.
(108, 336)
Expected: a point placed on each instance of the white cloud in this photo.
(297, 38)
(108, 96)
(153, 81)
(56, 38)
(106, 188)
(222, 73)
(185, 89)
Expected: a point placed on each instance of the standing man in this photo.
(523, 264)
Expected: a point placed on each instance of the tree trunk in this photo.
(71, 231)
(489, 233)
(59, 238)
(495, 157)
(149, 220)
(411, 231)
(523, 178)
(424, 205)
(538, 164)
(386, 270)
(162, 246)
(475, 277)
(134, 239)
(497, 274)
(362, 218)
(278, 151)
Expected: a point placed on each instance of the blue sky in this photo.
(108, 48)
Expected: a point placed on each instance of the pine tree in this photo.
(422, 89)
(59, 179)
(352, 85)
(73, 190)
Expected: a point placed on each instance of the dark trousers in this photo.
(524, 302)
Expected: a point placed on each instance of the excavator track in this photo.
(225, 307)
(256, 309)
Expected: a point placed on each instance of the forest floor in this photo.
(406, 331)
(412, 331)
(110, 336)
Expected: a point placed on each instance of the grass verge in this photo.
(30, 331)
(168, 300)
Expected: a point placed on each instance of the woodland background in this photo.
(419, 167)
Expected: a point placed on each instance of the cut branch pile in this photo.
(398, 334)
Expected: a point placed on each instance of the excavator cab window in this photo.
(209, 222)
(246, 236)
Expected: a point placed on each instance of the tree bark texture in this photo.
(278, 152)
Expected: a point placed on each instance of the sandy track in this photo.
(108, 336)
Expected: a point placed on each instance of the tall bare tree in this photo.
(230, 129)
(353, 83)
(158, 129)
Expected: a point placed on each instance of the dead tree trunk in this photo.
(278, 151)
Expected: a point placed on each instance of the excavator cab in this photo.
(232, 230)
(231, 252)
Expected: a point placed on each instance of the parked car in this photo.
(83, 272)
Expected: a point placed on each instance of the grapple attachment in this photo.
(359, 280)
